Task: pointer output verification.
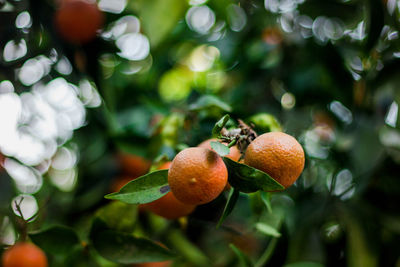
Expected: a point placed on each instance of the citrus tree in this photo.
(199, 133)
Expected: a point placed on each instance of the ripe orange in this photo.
(24, 255)
(278, 154)
(133, 165)
(168, 206)
(77, 21)
(234, 153)
(197, 175)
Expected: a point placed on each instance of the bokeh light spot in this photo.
(28, 206)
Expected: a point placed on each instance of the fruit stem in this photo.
(232, 143)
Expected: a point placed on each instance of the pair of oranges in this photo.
(197, 175)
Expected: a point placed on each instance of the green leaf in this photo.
(119, 216)
(230, 204)
(158, 24)
(220, 124)
(220, 148)
(244, 260)
(267, 229)
(248, 179)
(144, 189)
(266, 122)
(124, 248)
(56, 239)
(208, 102)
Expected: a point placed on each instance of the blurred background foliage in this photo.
(157, 77)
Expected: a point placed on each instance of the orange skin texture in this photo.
(168, 206)
(133, 165)
(197, 175)
(278, 154)
(77, 21)
(234, 153)
(24, 255)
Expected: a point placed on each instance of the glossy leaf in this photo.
(144, 189)
(220, 148)
(248, 179)
(267, 229)
(56, 239)
(230, 204)
(266, 122)
(209, 101)
(124, 248)
(220, 124)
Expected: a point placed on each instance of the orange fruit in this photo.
(197, 175)
(24, 255)
(234, 153)
(278, 154)
(133, 165)
(77, 21)
(168, 206)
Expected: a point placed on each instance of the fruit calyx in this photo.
(241, 136)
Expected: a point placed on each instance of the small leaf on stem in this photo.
(248, 179)
(220, 124)
(220, 148)
(144, 189)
